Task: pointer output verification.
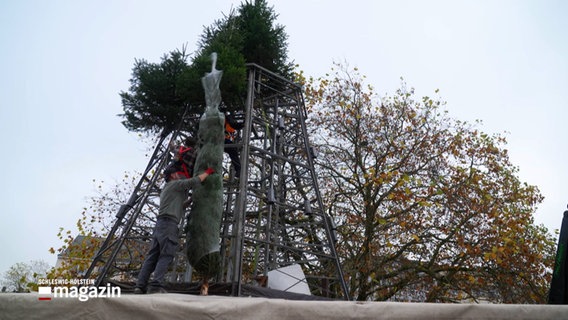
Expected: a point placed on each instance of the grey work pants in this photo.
(162, 251)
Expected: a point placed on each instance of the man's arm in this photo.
(187, 184)
(206, 174)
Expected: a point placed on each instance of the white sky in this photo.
(64, 62)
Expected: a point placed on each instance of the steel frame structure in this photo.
(273, 212)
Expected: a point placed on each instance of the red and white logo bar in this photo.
(44, 293)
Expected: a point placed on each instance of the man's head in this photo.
(184, 159)
(182, 164)
(174, 172)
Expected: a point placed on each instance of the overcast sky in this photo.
(64, 62)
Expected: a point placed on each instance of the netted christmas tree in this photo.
(207, 207)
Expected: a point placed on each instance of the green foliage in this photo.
(248, 35)
(160, 92)
(264, 42)
(233, 85)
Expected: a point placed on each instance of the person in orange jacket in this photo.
(230, 136)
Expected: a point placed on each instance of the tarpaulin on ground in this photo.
(186, 306)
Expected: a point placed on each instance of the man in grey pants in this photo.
(165, 238)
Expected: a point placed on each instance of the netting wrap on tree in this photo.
(206, 211)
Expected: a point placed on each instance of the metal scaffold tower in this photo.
(274, 229)
(275, 217)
